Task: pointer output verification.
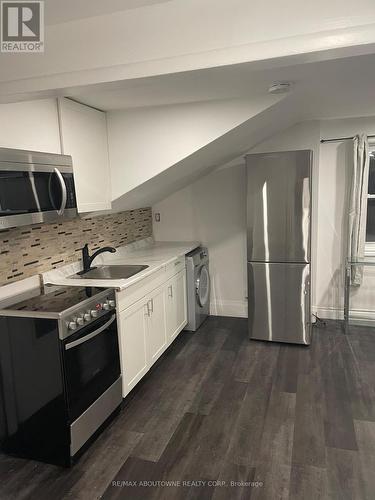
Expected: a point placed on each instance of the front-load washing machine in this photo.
(198, 287)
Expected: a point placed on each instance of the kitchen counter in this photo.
(147, 252)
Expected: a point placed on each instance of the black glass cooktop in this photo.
(57, 301)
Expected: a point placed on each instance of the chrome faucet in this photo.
(87, 259)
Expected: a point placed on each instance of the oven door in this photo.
(91, 363)
(35, 194)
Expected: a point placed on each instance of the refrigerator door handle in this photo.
(306, 310)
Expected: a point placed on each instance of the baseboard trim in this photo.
(328, 312)
(238, 309)
(235, 308)
(363, 317)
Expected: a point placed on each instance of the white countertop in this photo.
(150, 253)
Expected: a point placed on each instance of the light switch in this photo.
(157, 217)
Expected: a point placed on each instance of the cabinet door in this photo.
(133, 336)
(176, 306)
(84, 137)
(156, 327)
(31, 125)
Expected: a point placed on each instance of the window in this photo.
(370, 223)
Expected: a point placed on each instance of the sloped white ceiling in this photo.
(235, 141)
(155, 150)
(145, 142)
(328, 88)
(91, 43)
(62, 11)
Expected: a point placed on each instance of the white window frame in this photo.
(370, 245)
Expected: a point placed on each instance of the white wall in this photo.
(213, 210)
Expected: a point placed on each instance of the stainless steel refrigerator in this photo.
(278, 245)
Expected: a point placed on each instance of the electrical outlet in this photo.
(157, 217)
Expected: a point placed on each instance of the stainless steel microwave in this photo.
(35, 187)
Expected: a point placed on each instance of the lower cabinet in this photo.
(176, 305)
(156, 339)
(132, 326)
(147, 327)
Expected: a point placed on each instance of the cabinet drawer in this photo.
(175, 267)
(127, 297)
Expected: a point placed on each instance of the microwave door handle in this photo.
(90, 335)
(63, 191)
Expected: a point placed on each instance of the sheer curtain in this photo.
(358, 205)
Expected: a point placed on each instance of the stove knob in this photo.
(94, 313)
(80, 321)
(111, 303)
(87, 316)
(72, 325)
(106, 306)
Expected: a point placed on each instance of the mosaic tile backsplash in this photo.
(30, 250)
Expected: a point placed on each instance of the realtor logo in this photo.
(22, 26)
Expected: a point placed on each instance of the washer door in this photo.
(202, 286)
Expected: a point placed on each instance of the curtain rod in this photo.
(338, 139)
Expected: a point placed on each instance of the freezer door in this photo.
(278, 206)
(279, 302)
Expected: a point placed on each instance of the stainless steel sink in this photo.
(112, 272)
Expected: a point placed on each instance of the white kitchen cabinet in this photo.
(142, 334)
(132, 326)
(31, 125)
(176, 305)
(156, 325)
(151, 313)
(84, 137)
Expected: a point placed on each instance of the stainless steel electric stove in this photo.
(60, 372)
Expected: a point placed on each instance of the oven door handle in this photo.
(63, 191)
(90, 335)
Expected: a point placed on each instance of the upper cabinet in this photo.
(84, 137)
(64, 126)
(31, 125)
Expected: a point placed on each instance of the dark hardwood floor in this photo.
(280, 421)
